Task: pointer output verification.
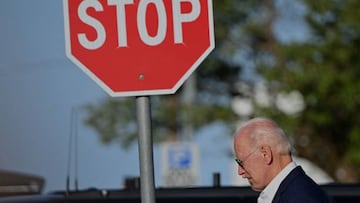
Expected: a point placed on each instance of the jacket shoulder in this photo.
(298, 187)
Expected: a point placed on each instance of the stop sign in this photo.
(138, 47)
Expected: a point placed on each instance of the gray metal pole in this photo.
(147, 185)
(188, 98)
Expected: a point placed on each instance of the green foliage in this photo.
(113, 122)
(325, 69)
(115, 119)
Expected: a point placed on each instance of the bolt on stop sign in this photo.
(138, 47)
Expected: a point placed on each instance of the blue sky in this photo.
(38, 88)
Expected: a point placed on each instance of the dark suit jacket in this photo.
(297, 187)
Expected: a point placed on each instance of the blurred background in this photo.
(295, 61)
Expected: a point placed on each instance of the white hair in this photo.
(266, 131)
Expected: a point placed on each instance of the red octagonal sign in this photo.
(138, 47)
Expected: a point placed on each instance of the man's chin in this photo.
(254, 187)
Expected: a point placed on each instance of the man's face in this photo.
(250, 163)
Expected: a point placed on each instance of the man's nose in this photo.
(241, 170)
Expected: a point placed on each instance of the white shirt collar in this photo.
(267, 195)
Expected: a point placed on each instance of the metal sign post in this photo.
(100, 48)
(146, 160)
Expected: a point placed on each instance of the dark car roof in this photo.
(338, 192)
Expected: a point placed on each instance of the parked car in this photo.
(343, 193)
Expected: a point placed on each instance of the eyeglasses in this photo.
(241, 162)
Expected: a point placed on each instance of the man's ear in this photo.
(266, 154)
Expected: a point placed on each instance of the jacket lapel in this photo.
(288, 179)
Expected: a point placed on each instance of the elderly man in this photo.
(263, 153)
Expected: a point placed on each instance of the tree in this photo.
(325, 69)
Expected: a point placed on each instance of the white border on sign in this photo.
(137, 93)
